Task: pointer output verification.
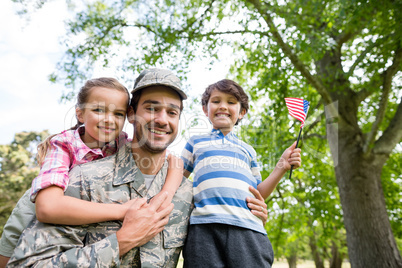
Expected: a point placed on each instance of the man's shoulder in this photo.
(186, 185)
(96, 166)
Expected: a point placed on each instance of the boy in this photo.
(223, 231)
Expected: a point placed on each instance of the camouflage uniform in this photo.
(115, 179)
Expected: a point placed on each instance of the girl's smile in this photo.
(103, 116)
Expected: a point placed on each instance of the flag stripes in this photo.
(297, 108)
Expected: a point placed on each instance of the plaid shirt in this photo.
(66, 151)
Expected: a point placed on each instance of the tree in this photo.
(346, 54)
(17, 170)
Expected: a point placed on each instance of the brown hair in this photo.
(229, 87)
(82, 98)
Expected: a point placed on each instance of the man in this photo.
(147, 237)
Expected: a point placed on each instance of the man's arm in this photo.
(21, 216)
(145, 220)
(48, 245)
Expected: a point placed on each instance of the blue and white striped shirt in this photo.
(224, 167)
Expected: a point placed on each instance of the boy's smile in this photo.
(223, 110)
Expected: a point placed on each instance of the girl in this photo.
(100, 110)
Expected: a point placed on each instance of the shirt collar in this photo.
(83, 149)
(126, 172)
(219, 133)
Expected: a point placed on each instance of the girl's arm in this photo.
(290, 156)
(52, 206)
(173, 179)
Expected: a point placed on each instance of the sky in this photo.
(29, 51)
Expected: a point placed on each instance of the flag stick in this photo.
(297, 143)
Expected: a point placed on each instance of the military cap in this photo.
(156, 76)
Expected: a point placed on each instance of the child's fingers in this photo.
(158, 199)
(293, 146)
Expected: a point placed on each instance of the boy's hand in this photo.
(290, 157)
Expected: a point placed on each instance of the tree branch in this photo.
(361, 57)
(386, 88)
(322, 137)
(314, 81)
(363, 94)
(392, 135)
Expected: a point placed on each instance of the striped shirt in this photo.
(66, 151)
(224, 167)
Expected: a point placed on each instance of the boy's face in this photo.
(223, 110)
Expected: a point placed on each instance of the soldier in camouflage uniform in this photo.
(138, 241)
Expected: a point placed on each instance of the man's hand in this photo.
(142, 222)
(257, 205)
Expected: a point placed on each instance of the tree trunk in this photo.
(319, 263)
(369, 236)
(292, 260)
(336, 257)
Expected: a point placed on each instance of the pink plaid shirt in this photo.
(66, 151)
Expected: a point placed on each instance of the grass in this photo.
(304, 264)
(284, 264)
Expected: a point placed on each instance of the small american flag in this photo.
(297, 108)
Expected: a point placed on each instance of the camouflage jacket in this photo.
(115, 179)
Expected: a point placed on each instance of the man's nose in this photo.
(161, 118)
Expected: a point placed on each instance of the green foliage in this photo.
(17, 170)
(347, 52)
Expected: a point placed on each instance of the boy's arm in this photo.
(52, 206)
(290, 157)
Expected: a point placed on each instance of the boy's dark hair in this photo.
(229, 87)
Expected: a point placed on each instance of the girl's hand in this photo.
(290, 157)
(167, 201)
(257, 205)
(126, 206)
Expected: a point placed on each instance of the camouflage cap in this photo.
(155, 76)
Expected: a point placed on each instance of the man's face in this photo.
(156, 119)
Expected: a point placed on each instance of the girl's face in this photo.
(223, 110)
(103, 116)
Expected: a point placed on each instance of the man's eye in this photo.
(151, 108)
(174, 113)
(99, 110)
(120, 114)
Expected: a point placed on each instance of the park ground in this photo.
(284, 264)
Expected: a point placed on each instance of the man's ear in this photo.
(80, 115)
(130, 115)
